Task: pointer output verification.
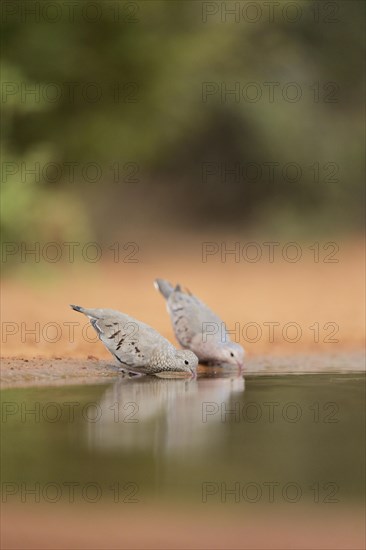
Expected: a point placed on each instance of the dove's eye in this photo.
(186, 363)
(231, 353)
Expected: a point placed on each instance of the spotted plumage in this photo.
(137, 346)
(199, 329)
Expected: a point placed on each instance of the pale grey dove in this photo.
(137, 346)
(198, 329)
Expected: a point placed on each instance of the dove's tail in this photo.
(92, 313)
(164, 286)
(77, 308)
(93, 316)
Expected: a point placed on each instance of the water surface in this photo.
(192, 440)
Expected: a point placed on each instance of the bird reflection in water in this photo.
(165, 416)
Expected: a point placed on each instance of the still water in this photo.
(213, 439)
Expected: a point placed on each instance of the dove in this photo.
(138, 347)
(199, 329)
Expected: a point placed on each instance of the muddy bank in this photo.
(39, 371)
(56, 371)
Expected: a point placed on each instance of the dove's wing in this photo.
(130, 341)
(123, 341)
(189, 316)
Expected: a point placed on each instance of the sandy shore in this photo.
(173, 527)
(38, 371)
(290, 317)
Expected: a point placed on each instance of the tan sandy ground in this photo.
(154, 527)
(40, 371)
(325, 301)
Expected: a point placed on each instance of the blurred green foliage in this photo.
(150, 64)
